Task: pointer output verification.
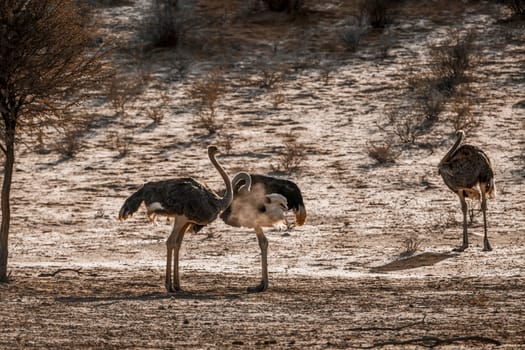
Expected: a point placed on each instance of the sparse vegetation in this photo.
(81, 279)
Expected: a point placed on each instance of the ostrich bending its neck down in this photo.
(186, 200)
(264, 205)
(464, 169)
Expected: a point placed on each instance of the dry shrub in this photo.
(450, 60)
(448, 66)
(432, 103)
(271, 76)
(292, 155)
(226, 143)
(205, 95)
(120, 92)
(121, 144)
(156, 113)
(404, 124)
(375, 12)
(462, 117)
(382, 152)
(71, 142)
(163, 26)
(352, 35)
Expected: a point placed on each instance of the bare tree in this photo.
(48, 64)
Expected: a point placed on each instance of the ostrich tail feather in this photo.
(300, 215)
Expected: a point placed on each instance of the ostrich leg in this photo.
(173, 244)
(263, 244)
(486, 244)
(464, 209)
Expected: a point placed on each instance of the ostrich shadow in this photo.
(147, 297)
(412, 262)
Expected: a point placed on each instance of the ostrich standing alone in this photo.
(262, 206)
(465, 168)
(186, 200)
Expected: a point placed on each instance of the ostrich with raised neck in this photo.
(468, 172)
(188, 202)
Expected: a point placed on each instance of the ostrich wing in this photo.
(182, 197)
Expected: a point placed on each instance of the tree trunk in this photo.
(6, 209)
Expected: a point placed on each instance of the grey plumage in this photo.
(174, 197)
(468, 172)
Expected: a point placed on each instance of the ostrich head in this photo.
(212, 150)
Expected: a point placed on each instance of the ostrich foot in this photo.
(487, 247)
(171, 289)
(460, 249)
(258, 288)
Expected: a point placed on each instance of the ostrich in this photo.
(263, 206)
(465, 168)
(188, 202)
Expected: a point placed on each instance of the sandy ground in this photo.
(81, 279)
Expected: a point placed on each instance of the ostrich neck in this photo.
(453, 149)
(238, 178)
(228, 196)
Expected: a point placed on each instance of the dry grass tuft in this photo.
(71, 142)
(292, 155)
(462, 117)
(156, 113)
(410, 247)
(382, 153)
(122, 144)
